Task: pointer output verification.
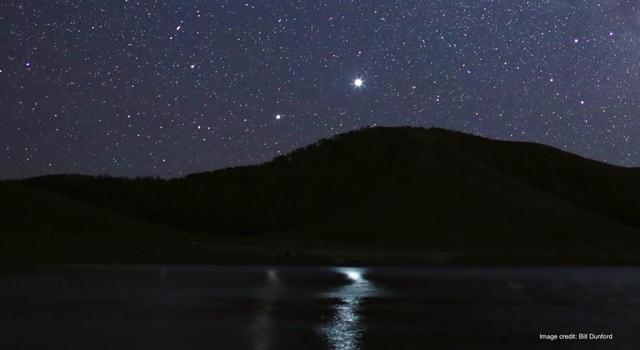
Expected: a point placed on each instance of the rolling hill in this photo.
(38, 226)
(388, 190)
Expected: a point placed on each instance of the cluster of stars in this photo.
(168, 87)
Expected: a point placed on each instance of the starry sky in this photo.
(167, 88)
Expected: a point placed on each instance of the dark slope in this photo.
(47, 227)
(426, 189)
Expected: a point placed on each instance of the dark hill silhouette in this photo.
(41, 226)
(394, 189)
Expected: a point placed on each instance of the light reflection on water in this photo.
(262, 328)
(258, 307)
(346, 328)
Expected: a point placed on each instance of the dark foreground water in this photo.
(186, 307)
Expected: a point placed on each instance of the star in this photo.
(437, 77)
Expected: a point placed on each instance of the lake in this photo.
(258, 307)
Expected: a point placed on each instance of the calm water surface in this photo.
(251, 307)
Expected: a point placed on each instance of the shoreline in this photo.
(275, 255)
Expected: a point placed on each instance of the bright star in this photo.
(278, 116)
(358, 82)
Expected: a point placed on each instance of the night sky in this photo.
(167, 88)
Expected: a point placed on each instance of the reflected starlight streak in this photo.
(346, 329)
